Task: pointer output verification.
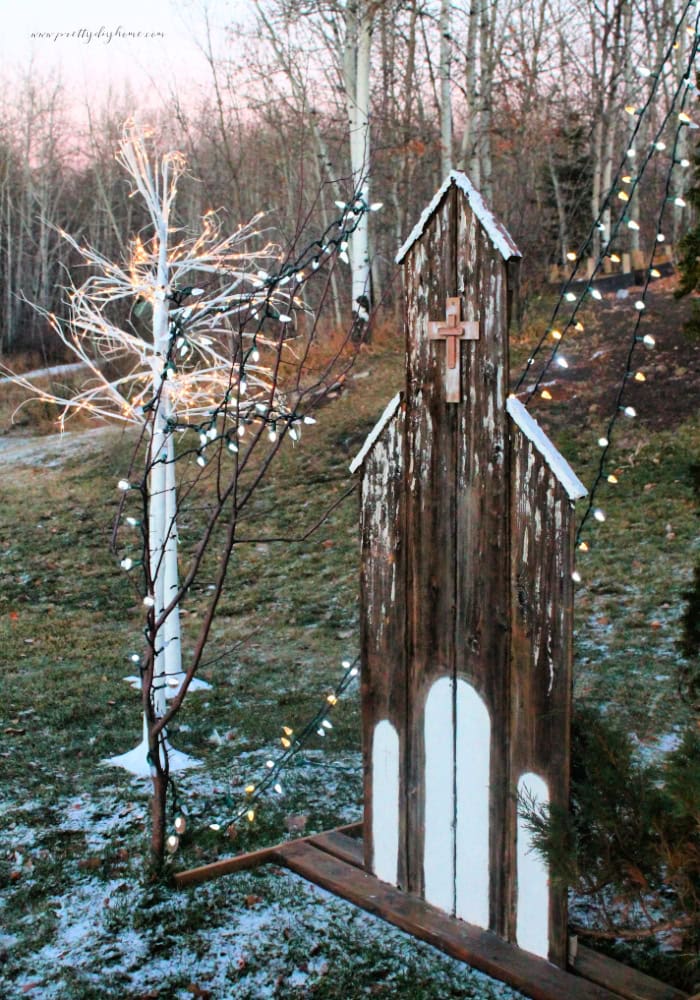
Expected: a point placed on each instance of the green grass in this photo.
(78, 915)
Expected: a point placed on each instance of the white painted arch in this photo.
(385, 802)
(457, 794)
(532, 921)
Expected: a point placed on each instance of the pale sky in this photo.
(92, 42)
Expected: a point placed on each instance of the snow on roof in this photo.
(496, 232)
(376, 431)
(557, 463)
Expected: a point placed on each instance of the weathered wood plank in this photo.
(383, 650)
(348, 849)
(252, 859)
(629, 983)
(542, 560)
(483, 950)
(481, 552)
(431, 426)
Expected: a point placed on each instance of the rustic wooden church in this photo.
(466, 596)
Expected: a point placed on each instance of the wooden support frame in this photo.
(335, 861)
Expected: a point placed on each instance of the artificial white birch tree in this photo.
(209, 371)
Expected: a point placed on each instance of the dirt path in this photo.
(49, 450)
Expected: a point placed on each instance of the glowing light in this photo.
(615, 258)
(172, 843)
(148, 601)
(599, 515)
(623, 196)
(546, 394)
(132, 522)
(135, 658)
(332, 699)
(123, 485)
(629, 411)
(249, 789)
(603, 442)
(685, 162)
(556, 334)
(277, 788)
(376, 206)
(578, 326)
(627, 179)
(232, 446)
(570, 297)
(309, 420)
(215, 827)
(201, 461)
(285, 742)
(655, 273)
(269, 764)
(660, 146)
(630, 109)
(287, 731)
(648, 340)
(576, 576)
(180, 824)
(639, 305)
(595, 294)
(680, 202)
(660, 238)
(683, 118)
(631, 153)
(255, 355)
(250, 815)
(562, 362)
(612, 478)
(127, 563)
(571, 255)
(640, 377)
(583, 546)
(632, 224)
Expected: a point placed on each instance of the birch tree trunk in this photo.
(445, 88)
(356, 64)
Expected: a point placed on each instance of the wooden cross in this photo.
(452, 330)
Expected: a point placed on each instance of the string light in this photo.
(566, 293)
(292, 744)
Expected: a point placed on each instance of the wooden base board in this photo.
(334, 861)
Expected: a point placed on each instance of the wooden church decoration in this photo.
(467, 546)
(466, 599)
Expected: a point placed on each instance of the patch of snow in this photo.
(557, 463)
(389, 412)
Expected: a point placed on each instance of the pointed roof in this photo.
(498, 235)
(557, 463)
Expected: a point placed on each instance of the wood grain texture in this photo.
(382, 623)
(252, 859)
(483, 950)
(627, 982)
(481, 554)
(542, 553)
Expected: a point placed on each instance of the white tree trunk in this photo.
(445, 88)
(358, 43)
